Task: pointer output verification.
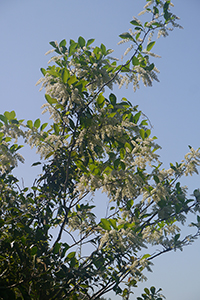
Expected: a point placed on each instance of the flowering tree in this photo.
(93, 142)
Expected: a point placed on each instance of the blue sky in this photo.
(173, 105)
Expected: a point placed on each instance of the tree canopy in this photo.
(93, 141)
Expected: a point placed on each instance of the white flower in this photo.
(148, 4)
(142, 12)
(104, 239)
(49, 51)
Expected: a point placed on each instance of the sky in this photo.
(172, 105)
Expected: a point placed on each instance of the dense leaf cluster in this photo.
(53, 243)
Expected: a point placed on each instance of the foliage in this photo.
(151, 294)
(94, 142)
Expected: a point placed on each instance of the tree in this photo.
(94, 142)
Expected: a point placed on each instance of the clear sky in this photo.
(173, 105)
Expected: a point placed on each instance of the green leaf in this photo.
(126, 35)
(53, 44)
(52, 71)
(97, 52)
(105, 224)
(143, 63)
(100, 99)
(134, 22)
(113, 99)
(10, 115)
(2, 223)
(145, 256)
(59, 106)
(65, 75)
(73, 262)
(112, 115)
(7, 115)
(56, 248)
(138, 28)
(143, 123)
(157, 24)
(150, 67)
(37, 123)
(63, 43)
(122, 164)
(89, 42)
(147, 291)
(34, 250)
(113, 223)
(66, 247)
(4, 119)
(14, 122)
(126, 67)
(166, 6)
(129, 146)
(161, 203)
(56, 128)
(7, 139)
(129, 204)
(136, 117)
(43, 126)
(50, 100)
(167, 15)
(36, 164)
(176, 237)
(72, 42)
(122, 153)
(71, 255)
(43, 71)
(81, 41)
(142, 133)
(29, 124)
(153, 289)
(137, 35)
(112, 155)
(49, 154)
(72, 47)
(135, 61)
(116, 163)
(103, 49)
(150, 46)
(155, 11)
(156, 179)
(147, 133)
(72, 79)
